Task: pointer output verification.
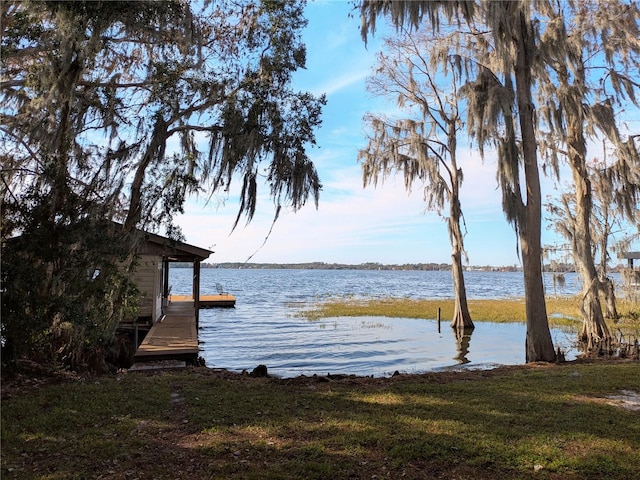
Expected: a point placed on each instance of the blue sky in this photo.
(354, 224)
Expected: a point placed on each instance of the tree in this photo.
(609, 225)
(423, 146)
(66, 285)
(550, 76)
(580, 39)
(501, 105)
(603, 220)
(120, 110)
(115, 82)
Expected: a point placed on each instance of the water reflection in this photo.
(264, 327)
(463, 339)
(291, 346)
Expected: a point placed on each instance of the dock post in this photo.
(196, 291)
(438, 319)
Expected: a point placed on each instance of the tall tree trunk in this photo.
(461, 316)
(539, 346)
(605, 283)
(594, 328)
(607, 289)
(155, 151)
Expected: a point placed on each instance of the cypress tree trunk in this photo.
(605, 283)
(539, 346)
(594, 328)
(606, 287)
(461, 316)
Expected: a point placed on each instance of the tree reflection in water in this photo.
(463, 338)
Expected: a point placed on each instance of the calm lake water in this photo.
(265, 327)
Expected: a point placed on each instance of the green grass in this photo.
(199, 424)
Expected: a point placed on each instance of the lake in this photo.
(265, 327)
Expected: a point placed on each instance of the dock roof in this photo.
(172, 249)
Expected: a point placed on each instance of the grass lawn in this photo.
(534, 421)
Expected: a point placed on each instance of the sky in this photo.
(353, 224)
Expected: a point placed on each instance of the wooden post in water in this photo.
(438, 319)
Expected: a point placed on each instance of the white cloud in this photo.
(351, 225)
(346, 80)
(354, 224)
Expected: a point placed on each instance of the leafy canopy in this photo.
(113, 113)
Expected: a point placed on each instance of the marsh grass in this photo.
(561, 310)
(542, 422)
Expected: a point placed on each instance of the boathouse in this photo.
(152, 274)
(170, 330)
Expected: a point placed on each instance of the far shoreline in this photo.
(444, 267)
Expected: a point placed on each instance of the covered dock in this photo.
(172, 326)
(633, 273)
(630, 257)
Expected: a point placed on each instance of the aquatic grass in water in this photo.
(561, 310)
(374, 336)
(481, 310)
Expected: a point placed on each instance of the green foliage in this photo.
(157, 100)
(65, 285)
(118, 111)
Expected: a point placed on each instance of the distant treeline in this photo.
(341, 266)
(335, 266)
(561, 268)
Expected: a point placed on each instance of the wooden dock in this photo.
(173, 338)
(206, 301)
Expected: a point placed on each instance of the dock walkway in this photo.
(173, 338)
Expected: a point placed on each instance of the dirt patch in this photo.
(625, 399)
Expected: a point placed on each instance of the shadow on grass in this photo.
(516, 423)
